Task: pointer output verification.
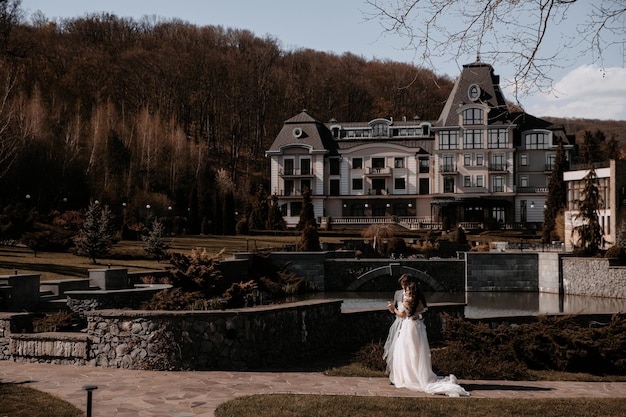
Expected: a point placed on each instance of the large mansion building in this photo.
(479, 163)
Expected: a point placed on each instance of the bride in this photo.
(407, 351)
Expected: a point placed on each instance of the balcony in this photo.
(498, 168)
(532, 190)
(448, 169)
(379, 172)
(296, 173)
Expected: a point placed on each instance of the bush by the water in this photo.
(476, 350)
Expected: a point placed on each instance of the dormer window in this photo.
(473, 116)
(380, 129)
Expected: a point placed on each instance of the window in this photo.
(357, 183)
(480, 181)
(473, 116)
(498, 214)
(398, 162)
(425, 130)
(305, 167)
(498, 162)
(288, 187)
(537, 140)
(378, 162)
(283, 210)
(334, 166)
(357, 210)
(334, 187)
(498, 184)
(357, 163)
(379, 210)
(305, 185)
(523, 181)
(424, 185)
(550, 161)
(380, 129)
(379, 185)
(479, 159)
(288, 166)
(523, 159)
(448, 139)
(473, 139)
(467, 181)
(424, 165)
(498, 138)
(296, 208)
(448, 164)
(399, 183)
(448, 184)
(467, 160)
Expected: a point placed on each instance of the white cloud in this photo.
(585, 92)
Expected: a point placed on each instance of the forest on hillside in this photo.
(169, 115)
(137, 112)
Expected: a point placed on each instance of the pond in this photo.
(480, 304)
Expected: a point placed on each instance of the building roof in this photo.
(302, 130)
(482, 75)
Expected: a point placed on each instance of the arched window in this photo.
(473, 116)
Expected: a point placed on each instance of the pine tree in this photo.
(275, 219)
(95, 236)
(307, 214)
(557, 194)
(590, 231)
(155, 244)
(591, 148)
(260, 209)
(309, 238)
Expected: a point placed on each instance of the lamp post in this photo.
(89, 389)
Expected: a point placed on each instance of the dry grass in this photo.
(285, 405)
(64, 265)
(21, 401)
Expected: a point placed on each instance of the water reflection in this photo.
(491, 303)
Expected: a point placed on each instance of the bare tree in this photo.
(507, 31)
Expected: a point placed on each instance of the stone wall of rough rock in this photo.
(593, 277)
(80, 302)
(55, 347)
(252, 338)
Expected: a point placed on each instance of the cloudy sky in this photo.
(582, 89)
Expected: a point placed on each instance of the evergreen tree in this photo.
(155, 244)
(260, 210)
(557, 194)
(590, 231)
(307, 214)
(591, 149)
(309, 238)
(612, 149)
(95, 236)
(275, 219)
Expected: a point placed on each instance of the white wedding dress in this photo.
(407, 353)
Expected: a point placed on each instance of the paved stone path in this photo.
(126, 393)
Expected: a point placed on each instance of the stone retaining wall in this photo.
(251, 338)
(593, 277)
(58, 348)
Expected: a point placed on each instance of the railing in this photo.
(411, 223)
(531, 190)
(447, 168)
(498, 167)
(379, 171)
(296, 173)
